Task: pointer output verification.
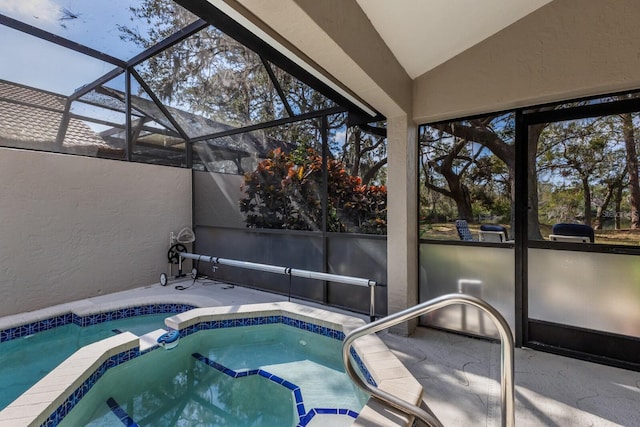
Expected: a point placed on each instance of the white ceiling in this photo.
(423, 34)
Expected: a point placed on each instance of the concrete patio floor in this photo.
(460, 375)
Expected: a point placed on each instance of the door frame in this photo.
(581, 343)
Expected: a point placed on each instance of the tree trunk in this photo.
(357, 147)
(632, 166)
(533, 223)
(602, 209)
(587, 200)
(618, 213)
(463, 202)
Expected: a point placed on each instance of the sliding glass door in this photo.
(581, 279)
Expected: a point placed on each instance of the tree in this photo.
(363, 152)
(632, 168)
(285, 192)
(578, 150)
(468, 157)
(452, 165)
(212, 74)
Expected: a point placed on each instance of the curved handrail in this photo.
(506, 359)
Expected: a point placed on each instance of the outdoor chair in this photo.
(463, 230)
(578, 233)
(493, 233)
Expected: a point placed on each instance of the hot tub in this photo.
(227, 361)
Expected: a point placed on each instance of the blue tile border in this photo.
(362, 367)
(120, 413)
(91, 319)
(304, 417)
(72, 400)
(285, 320)
(263, 320)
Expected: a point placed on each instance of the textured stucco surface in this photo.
(75, 227)
(566, 49)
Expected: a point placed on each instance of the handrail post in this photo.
(289, 271)
(372, 301)
(506, 359)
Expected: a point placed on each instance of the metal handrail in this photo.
(506, 359)
(307, 274)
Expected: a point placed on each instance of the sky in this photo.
(31, 61)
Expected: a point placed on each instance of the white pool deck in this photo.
(459, 374)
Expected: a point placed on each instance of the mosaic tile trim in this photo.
(362, 367)
(92, 319)
(32, 328)
(263, 320)
(72, 400)
(303, 416)
(125, 313)
(304, 421)
(62, 411)
(120, 413)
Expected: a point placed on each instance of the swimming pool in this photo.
(52, 399)
(267, 375)
(29, 351)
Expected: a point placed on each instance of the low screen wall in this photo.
(350, 255)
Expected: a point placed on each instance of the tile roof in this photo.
(30, 118)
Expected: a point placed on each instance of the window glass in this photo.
(35, 119)
(234, 154)
(154, 137)
(102, 112)
(467, 174)
(587, 180)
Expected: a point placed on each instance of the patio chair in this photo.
(463, 230)
(493, 233)
(578, 233)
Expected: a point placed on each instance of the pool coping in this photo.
(85, 308)
(55, 393)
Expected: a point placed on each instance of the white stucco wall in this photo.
(73, 227)
(566, 49)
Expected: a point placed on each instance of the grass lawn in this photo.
(447, 231)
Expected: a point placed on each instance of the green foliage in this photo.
(210, 73)
(285, 191)
(466, 169)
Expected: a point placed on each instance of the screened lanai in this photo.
(280, 158)
(353, 98)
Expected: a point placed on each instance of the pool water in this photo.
(264, 375)
(24, 361)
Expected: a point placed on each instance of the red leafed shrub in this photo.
(285, 192)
